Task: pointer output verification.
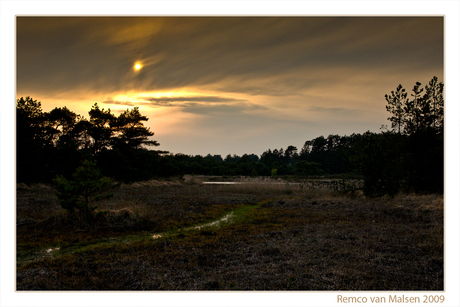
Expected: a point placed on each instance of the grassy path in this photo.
(238, 215)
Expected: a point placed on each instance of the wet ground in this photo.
(233, 237)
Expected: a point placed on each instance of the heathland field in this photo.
(253, 235)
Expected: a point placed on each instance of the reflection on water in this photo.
(198, 227)
(49, 250)
(221, 182)
(215, 223)
(251, 183)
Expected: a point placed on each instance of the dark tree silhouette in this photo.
(130, 130)
(30, 121)
(434, 96)
(396, 103)
(425, 111)
(61, 119)
(100, 131)
(412, 160)
(31, 139)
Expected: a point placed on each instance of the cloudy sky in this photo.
(229, 85)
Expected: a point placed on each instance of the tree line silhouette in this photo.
(409, 156)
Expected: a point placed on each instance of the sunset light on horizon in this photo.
(230, 85)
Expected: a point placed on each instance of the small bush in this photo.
(87, 186)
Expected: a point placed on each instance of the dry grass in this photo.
(35, 203)
(283, 237)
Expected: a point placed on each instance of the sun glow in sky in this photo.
(137, 66)
(230, 85)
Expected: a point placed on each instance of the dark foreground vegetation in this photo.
(278, 237)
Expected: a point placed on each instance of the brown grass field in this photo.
(265, 236)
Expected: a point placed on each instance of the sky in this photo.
(230, 85)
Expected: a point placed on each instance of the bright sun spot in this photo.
(137, 66)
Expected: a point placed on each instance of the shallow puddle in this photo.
(223, 219)
(250, 183)
(51, 252)
(222, 182)
(214, 223)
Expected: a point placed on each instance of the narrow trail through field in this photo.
(234, 216)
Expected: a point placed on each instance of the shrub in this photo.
(87, 186)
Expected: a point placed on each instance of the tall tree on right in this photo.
(396, 102)
(435, 98)
(424, 112)
(419, 122)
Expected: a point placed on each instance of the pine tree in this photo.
(131, 132)
(396, 102)
(87, 186)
